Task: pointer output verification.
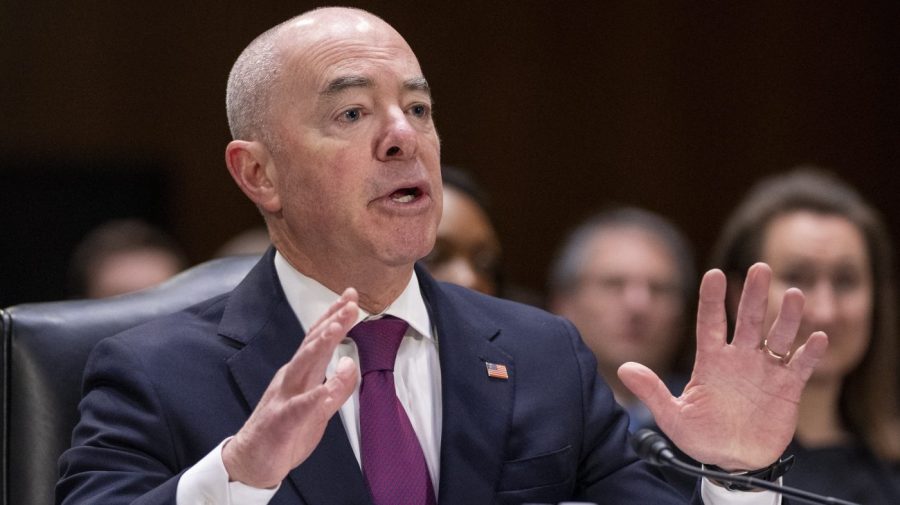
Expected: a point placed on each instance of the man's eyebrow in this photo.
(342, 83)
(417, 84)
(339, 84)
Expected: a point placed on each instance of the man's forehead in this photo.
(326, 58)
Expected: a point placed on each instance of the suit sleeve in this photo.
(608, 466)
(122, 447)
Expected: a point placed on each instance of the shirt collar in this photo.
(309, 299)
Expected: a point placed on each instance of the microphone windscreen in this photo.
(651, 446)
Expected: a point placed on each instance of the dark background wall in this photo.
(117, 108)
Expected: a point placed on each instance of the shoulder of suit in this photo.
(493, 307)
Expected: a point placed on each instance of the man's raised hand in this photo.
(290, 419)
(739, 410)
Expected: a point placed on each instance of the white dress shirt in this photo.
(417, 377)
(417, 372)
(418, 381)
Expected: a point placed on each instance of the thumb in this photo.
(648, 388)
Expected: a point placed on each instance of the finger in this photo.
(781, 337)
(809, 354)
(347, 296)
(306, 369)
(341, 385)
(648, 388)
(327, 398)
(336, 390)
(712, 323)
(308, 414)
(344, 312)
(751, 314)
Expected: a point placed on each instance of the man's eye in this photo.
(419, 110)
(351, 115)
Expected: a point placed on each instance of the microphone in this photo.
(653, 448)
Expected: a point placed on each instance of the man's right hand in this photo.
(291, 417)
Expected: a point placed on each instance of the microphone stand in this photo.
(651, 446)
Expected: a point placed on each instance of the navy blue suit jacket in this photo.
(159, 397)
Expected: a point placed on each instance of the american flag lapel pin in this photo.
(496, 370)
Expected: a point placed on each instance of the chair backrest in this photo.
(45, 347)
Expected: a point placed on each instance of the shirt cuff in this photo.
(718, 495)
(206, 483)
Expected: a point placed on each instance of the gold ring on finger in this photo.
(781, 357)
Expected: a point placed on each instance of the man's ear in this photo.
(253, 169)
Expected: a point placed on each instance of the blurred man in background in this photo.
(122, 256)
(625, 278)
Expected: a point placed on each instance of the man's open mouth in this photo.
(406, 195)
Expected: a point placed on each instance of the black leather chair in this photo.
(45, 347)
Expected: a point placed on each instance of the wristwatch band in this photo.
(770, 473)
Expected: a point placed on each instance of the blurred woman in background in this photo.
(819, 235)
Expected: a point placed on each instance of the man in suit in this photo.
(234, 400)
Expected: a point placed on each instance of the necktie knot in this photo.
(378, 341)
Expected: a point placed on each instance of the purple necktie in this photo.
(392, 459)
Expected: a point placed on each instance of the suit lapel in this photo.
(477, 409)
(259, 317)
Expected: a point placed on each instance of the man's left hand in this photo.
(739, 410)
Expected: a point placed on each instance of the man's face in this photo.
(628, 304)
(356, 157)
(133, 270)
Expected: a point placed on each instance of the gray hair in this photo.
(251, 87)
(566, 270)
(252, 83)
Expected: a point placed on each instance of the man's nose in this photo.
(637, 295)
(399, 138)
